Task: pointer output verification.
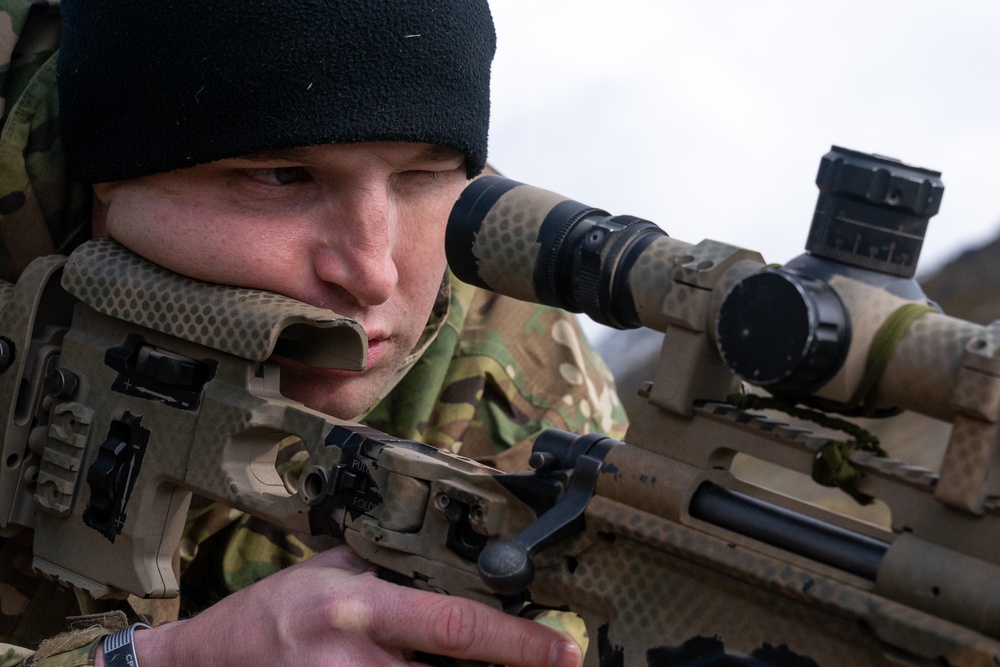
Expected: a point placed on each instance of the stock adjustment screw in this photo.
(61, 383)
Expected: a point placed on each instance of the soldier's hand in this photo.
(333, 610)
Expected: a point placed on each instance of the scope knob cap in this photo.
(783, 331)
(872, 211)
(506, 567)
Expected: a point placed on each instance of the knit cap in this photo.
(147, 86)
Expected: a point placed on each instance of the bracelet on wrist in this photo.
(118, 648)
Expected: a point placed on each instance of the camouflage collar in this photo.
(449, 309)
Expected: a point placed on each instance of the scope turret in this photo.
(872, 211)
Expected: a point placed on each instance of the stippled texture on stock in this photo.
(247, 323)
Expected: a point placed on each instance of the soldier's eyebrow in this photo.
(440, 154)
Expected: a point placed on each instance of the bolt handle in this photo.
(508, 567)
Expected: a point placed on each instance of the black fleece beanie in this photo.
(147, 86)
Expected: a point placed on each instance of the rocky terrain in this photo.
(969, 286)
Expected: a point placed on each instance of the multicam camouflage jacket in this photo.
(42, 210)
(489, 374)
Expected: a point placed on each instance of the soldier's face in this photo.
(356, 228)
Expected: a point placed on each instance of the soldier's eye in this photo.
(278, 175)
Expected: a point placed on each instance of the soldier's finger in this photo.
(467, 630)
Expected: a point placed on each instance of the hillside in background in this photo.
(969, 286)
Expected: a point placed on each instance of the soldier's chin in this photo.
(338, 393)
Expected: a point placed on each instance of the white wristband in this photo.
(118, 648)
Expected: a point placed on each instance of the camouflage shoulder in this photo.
(548, 360)
(518, 369)
(29, 36)
(42, 209)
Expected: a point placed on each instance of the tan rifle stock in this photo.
(668, 557)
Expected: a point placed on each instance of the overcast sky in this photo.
(710, 118)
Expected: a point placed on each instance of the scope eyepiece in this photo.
(538, 246)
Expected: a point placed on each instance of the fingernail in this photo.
(565, 654)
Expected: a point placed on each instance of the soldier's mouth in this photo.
(377, 348)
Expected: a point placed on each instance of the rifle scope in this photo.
(622, 271)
